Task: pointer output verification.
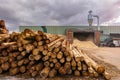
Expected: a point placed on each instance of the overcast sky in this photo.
(57, 12)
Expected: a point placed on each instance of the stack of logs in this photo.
(45, 55)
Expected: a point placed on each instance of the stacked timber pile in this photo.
(45, 55)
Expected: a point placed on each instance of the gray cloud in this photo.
(55, 12)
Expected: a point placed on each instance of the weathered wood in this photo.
(57, 65)
(57, 40)
(77, 73)
(52, 73)
(45, 72)
(22, 69)
(13, 71)
(5, 66)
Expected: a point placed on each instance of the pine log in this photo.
(5, 66)
(22, 69)
(31, 57)
(46, 63)
(35, 51)
(37, 57)
(59, 55)
(13, 71)
(39, 67)
(62, 71)
(52, 73)
(13, 64)
(98, 68)
(57, 40)
(77, 73)
(57, 65)
(45, 72)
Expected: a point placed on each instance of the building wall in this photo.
(61, 29)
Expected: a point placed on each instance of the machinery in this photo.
(3, 29)
(112, 41)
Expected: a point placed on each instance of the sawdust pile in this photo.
(84, 44)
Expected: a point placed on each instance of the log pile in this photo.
(45, 55)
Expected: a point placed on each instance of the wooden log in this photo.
(77, 55)
(34, 73)
(8, 43)
(58, 44)
(26, 61)
(4, 53)
(57, 40)
(84, 67)
(35, 43)
(31, 57)
(37, 57)
(40, 43)
(39, 67)
(45, 72)
(46, 63)
(3, 59)
(92, 72)
(45, 58)
(59, 55)
(55, 60)
(57, 65)
(53, 55)
(1, 70)
(13, 71)
(51, 65)
(40, 32)
(35, 51)
(106, 75)
(5, 66)
(74, 68)
(77, 73)
(52, 73)
(66, 53)
(45, 52)
(62, 71)
(15, 54)
(98, 68)
(20, 49)
(85, 73)
(29, 47)
(22, 69)
(19, 57)
(68, 58)
(38, 38)
(20, 63)
(67, 66)
(13, 64)
(49, 54)
(56, 50)
(11, 59)
(73, 63)
(12, 48)
(23, 53)
(69, 72)
(62, 60)
(41, 48)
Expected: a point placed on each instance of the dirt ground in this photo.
(109, 57)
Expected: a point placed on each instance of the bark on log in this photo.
(45, 72)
